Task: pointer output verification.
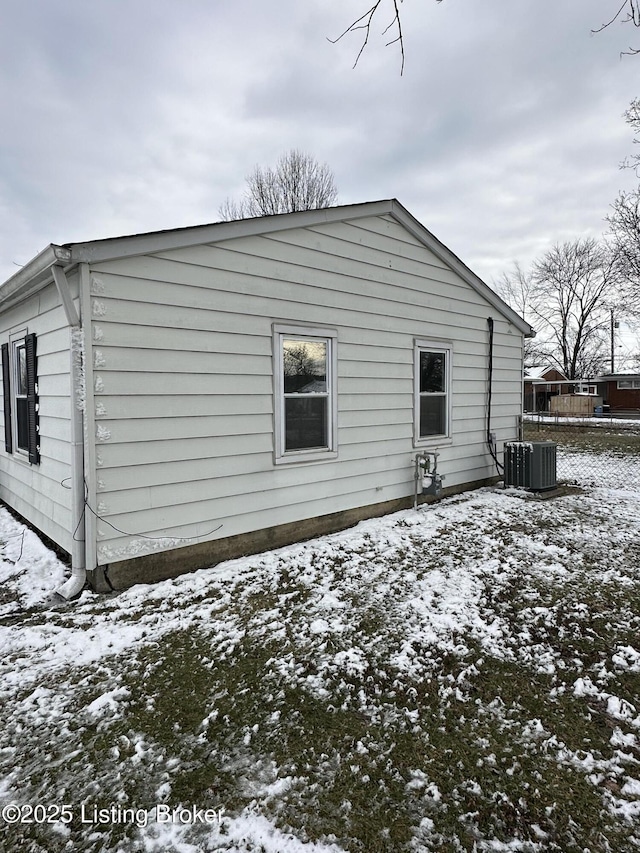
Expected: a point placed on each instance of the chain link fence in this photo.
(594, 451)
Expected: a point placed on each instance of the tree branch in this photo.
(633, 16)
(364, 23)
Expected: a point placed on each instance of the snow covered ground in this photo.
(461, 677)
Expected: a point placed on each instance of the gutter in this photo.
(36, 274)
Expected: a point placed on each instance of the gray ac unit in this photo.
(530, 464)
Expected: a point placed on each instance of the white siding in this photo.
(183, 378)
(41, 493)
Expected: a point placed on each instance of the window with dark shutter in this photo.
(6, 388)
(33, 428)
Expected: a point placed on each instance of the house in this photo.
(621, 392)
(541, 383)
(172, 399)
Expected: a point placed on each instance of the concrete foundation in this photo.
(178, 561)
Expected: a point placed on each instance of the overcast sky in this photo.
(503, 136)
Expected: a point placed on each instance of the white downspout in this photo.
(75, 584)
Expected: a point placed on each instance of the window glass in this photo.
(304, 366)
(433, 416)
(305, 422)
(432, 371)
(21, 370)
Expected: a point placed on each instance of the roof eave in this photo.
(34, 275)
(181, 238)
(37, 272)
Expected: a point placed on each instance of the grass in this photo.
(385, 732)
(619, 440)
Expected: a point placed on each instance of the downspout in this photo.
(490, 437)
(75, 584)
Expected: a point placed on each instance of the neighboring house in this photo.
(620, 392)
(540, 387)
(175, 398)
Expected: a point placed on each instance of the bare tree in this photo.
(629, 12)
(624, 222)
(624, 227)
(568, 293)
(517, 289)
(575, 283)
(298, 182)
(632, 118)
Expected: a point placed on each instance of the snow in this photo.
(604, 420)
(440, 604)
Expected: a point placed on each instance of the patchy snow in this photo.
(385, 603)
(607, 421)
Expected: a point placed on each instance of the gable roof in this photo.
(38, 272)
(540, 371)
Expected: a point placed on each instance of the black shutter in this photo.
(6, 387)
(32, 398)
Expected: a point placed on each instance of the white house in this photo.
(178, 397)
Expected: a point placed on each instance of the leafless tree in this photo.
(632, 117)
(624, 222)
(569, 292)
(575, 284)
(624, 226)
(298, 182)
(517, 289)
(629, 12)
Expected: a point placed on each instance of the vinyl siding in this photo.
(41, 493)
(183, 379)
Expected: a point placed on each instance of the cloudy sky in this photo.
(503, 135)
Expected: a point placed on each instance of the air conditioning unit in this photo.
(530, 465)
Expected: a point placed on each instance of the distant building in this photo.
(537, 394)
(620, 392)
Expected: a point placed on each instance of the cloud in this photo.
(503, 135)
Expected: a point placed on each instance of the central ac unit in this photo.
(530, 464)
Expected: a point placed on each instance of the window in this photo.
(20, 395)
(20, 391)
(305, 393)
(432, 409)
(584, 388)
(628, 384)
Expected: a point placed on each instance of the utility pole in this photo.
(612, 345)
(615, 324)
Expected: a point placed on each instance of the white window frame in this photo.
(446, 347)
(17, 340)
(628, 384)
(282, 332)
